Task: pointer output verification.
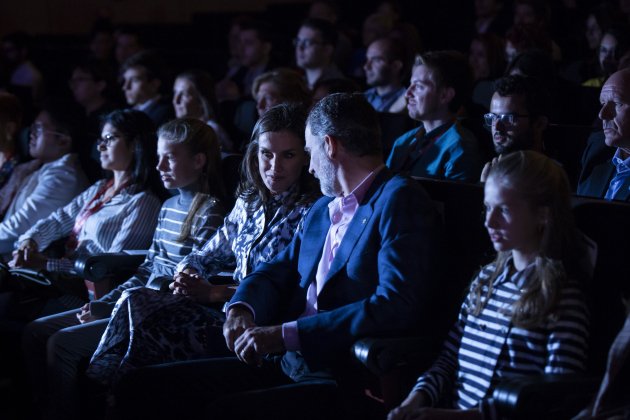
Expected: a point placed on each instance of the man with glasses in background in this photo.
(51, 180)
(518, 117)
(314, 50)
(440, 147)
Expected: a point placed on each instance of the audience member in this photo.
(50, 181)
(524, 313)
(10, 124)
(91, 84)
(261, 225)
(110, 216)
(614, 44)
(143, 78)
(491, 17)
(375, 276)
(441, 147)
(23, 78)
(194, 97)
(255, 47)
(524, 37)
(328, 10)
(314, 48)
(611, 179)
(278, 86)
(385, 67)
(486, 58)
(188, 161)
(128, 43)
(518, 116)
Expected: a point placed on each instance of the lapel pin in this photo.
(364, 221)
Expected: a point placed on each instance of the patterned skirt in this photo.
(149, 327)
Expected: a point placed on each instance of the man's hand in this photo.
(86, 315)
(238, 320)
(258, 341)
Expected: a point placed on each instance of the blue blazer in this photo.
(382, 280)
(598, 170)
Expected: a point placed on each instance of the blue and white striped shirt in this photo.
(481, 350)
(166, 252)
(127, 221)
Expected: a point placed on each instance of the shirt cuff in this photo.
(240, 303)
(60, 265)
(290, 336)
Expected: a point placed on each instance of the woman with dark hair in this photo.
(114, 214)
(194, 97)
(275, 192)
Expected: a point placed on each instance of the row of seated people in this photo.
(307, 304)
(145, 87)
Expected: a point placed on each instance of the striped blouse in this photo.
(127, 221)
(166, 252)
(481, 350)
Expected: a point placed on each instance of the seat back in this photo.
(606, 223)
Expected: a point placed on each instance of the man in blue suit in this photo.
(610, 179)
(363, 264)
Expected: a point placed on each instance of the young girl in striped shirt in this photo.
(524, 313)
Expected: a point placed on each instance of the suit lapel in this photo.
(313, 242)
(360, 220)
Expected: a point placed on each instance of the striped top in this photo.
(127, 221)
(246, 239)
(165, 252)
(481, 350)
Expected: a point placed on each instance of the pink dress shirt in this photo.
(341, 211)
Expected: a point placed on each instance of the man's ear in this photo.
(331, 146)
(64, 142)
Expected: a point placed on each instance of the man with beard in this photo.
(440, 147)
(517, 117)
(385, 64)
(611, 179)
(363, 264)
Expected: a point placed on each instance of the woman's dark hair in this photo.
(138, 131)
(283, 117)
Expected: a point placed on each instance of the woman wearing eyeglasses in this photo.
(116, 213)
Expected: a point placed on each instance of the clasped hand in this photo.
(248, 341)
(190, 283)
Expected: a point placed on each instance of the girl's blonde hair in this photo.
(542, 183)
(198, 137)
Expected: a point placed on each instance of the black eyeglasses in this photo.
(106, 140)
(305, 42)
(506, 119)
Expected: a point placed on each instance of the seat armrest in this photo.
(100, 267)
(381, 355)
(544, 396)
